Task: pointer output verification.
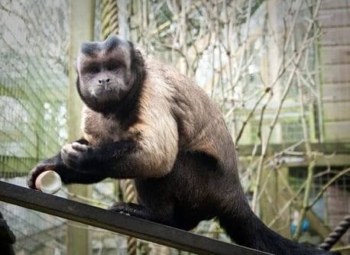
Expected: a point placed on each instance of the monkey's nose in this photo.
(103, 81)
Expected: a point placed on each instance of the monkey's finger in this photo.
(36, 171)
(79, 147)
(68, 155)
(68, 151)
(64, 153)
(66, 148)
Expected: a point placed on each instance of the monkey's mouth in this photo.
(106, 93)
(106, 88)
(102, 89)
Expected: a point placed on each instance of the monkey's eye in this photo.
(93, 69)
(112, 67)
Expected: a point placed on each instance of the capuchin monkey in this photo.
(145, 121)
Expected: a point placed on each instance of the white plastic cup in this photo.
(48, 182)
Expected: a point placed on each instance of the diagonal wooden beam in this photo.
(119, 223)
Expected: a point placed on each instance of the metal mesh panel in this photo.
(334, 204)
(33, 82)
(33, 87)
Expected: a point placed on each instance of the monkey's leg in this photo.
(142, 212)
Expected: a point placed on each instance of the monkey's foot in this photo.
(126, 208)
(131, 209)
(142, 212)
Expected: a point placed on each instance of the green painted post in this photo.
(81, 29)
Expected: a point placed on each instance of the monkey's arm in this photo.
(85, 158)
(150, 154)
(67, 175)
(70, 174)
(148, 158)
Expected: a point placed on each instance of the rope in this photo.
(110, 26)
(337, 233)
(109, 18)
(129, 196)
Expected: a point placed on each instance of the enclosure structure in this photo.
(277, 68)
(309, 130)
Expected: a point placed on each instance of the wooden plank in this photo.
(337, 131)
(334, 18)
(327, 147)
(119, 223)
(340, 160)
(336, 92)
(334, 4)
(336, 111)
(335, 36)
(335, 55)
(336, 160)
(336, 74)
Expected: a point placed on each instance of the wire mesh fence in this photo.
(33, 94)
(335, 203)
(33, 81)
(265, 63)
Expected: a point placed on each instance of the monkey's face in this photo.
(104, 72)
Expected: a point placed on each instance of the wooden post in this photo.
(271, 201)
(81, 29)
(275, 49)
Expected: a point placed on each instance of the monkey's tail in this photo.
(246, 229)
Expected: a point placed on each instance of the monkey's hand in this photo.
(54, 164)
(85, 158)
(74, 155)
